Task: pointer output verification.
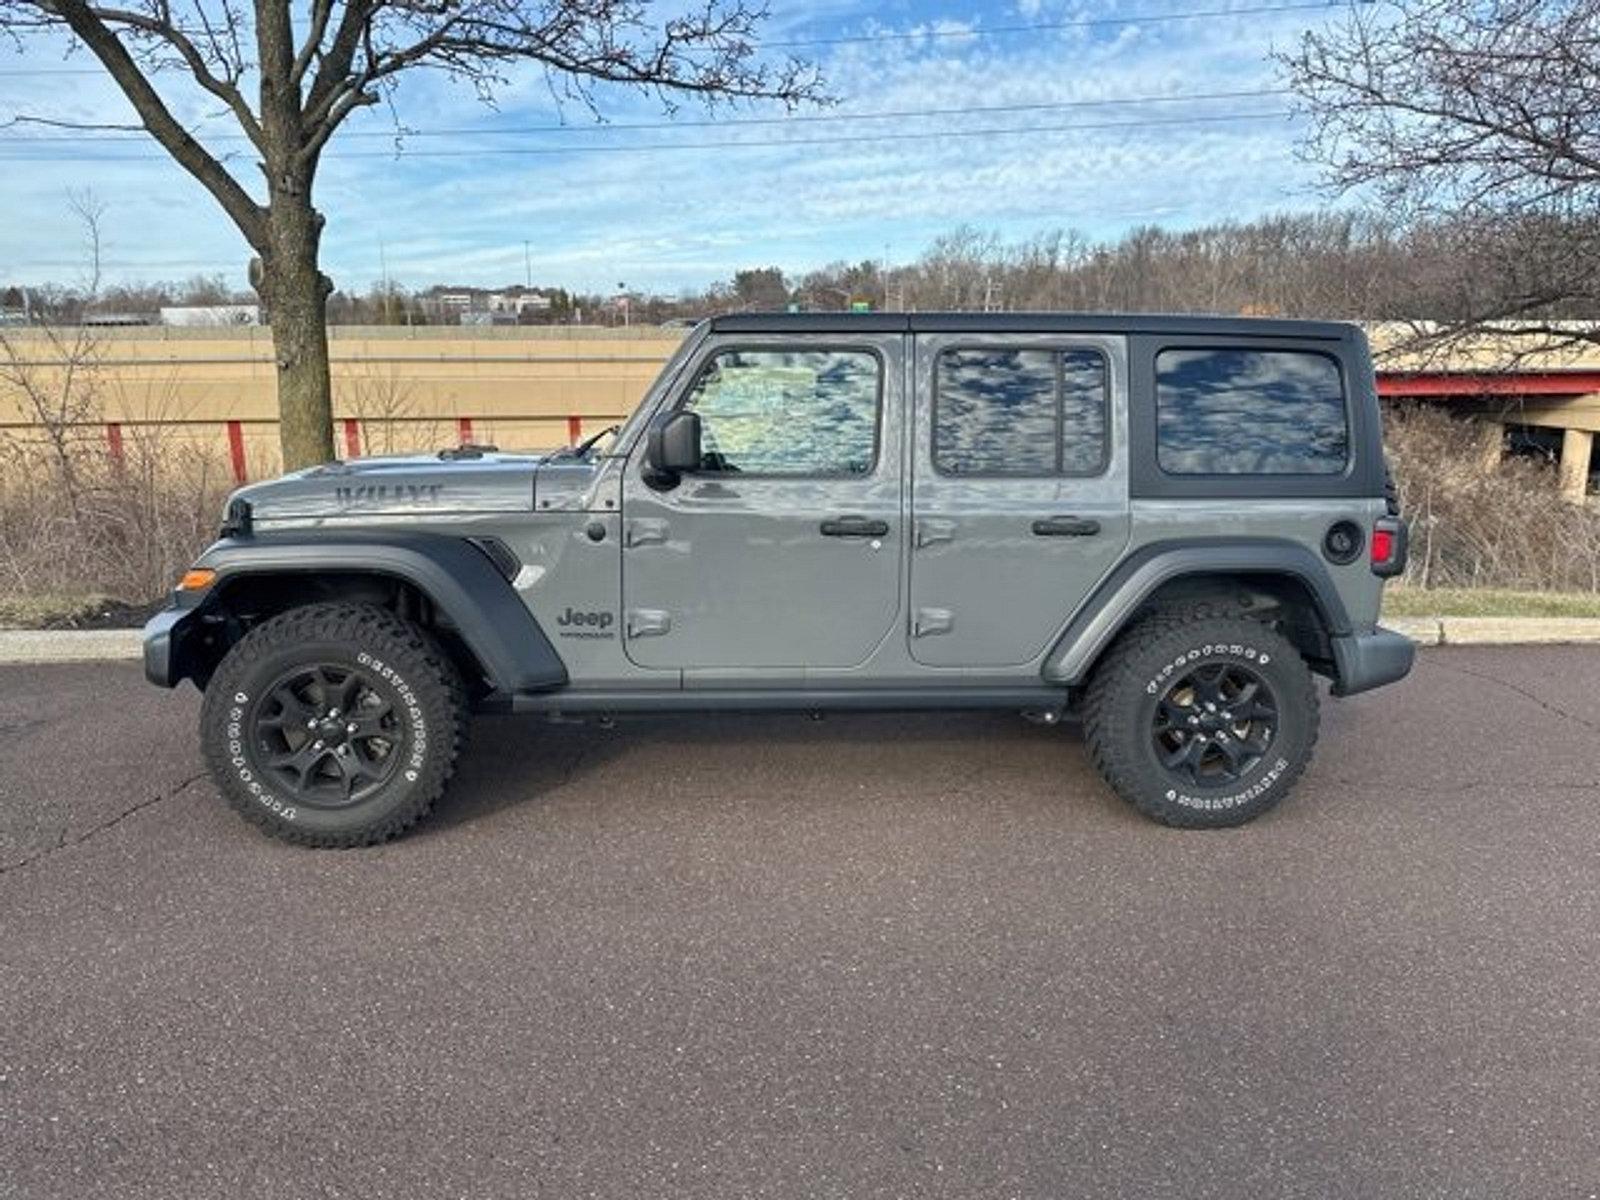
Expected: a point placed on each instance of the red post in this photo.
(236, 451)
(114, 444)
(574, 430)
(464, 429)
(352, 438)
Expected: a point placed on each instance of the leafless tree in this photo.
(312, 63)
(54, 371)
(1483, 117)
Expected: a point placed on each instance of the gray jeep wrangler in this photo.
(1163, 525)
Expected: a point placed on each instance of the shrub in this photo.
(1505, 527)
(87, 525)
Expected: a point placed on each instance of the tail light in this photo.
(1388, 546)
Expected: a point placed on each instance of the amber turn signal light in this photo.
(196, 579)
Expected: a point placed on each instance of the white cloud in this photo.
(683, 217)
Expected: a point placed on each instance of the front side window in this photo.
(1250, 412)
(788, 412)
(1005, 411)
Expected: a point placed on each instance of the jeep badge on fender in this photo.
(585, 624)
(1165, 527)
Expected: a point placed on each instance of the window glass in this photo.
(1250, 412)
(1083, 413)
(1020, 412)
(788, 412)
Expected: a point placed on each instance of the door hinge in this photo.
(645, 531)
(932, 531)
(931, 621)
(648, 622)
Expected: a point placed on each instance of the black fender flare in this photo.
(1101, 617)
(460, 580)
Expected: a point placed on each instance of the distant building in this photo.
(488, 318)
(211, 314)
(518, 301)
(107, 320)
(449, 303)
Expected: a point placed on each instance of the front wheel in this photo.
(1202, 723)
(333, 724)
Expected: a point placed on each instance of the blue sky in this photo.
(451, 209)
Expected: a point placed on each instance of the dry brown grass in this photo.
(100, 529)
(74, 524)
(1477, 528)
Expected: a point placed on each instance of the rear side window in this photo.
(788, 412)
(1250, 412)
(1004, 411)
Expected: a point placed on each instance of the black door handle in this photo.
(854, 527)
(1066, 527)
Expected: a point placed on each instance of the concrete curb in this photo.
(68, 645)
(109, 645)
(1497, 631)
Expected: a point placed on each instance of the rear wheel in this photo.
(1201, 723)
(333, 724)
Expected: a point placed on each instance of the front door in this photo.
(1019, 490)
(783, 551)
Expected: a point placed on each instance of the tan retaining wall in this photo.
(394, 388)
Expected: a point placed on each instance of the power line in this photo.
(797, 119)
(1049, 26)
(742, 144)
(934, 34)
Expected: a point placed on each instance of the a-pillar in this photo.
(1577, 445)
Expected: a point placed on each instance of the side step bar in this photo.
(575, 700)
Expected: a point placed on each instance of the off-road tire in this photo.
(1128, 689)
(400, 658)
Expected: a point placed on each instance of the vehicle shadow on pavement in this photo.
(513, 761)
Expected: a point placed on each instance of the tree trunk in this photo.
(295, 294)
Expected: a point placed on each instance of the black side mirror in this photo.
(672, 447)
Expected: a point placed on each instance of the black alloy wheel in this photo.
(1214, 724)
(328, 735)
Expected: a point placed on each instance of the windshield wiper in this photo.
(582, 449)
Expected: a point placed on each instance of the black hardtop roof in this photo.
(1031, 322)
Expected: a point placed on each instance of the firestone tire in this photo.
(333, 725)
(1201, 724)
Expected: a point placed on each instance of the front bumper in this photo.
(1364, 661)
(167, 641)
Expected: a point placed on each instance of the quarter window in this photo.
(1012, 411)
(789, 412)
(1250, 412)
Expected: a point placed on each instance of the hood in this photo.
(409, 484)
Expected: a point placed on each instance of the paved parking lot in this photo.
(764, 956)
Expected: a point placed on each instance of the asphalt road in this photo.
(763, 956)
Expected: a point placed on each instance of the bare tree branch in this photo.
(1482, 115)
(158, 120)
(354, 52)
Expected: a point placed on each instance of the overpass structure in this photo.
(1509, 379)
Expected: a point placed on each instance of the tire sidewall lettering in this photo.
(233, 738)
(1222, 803)
(1237, 650)
(237, 720)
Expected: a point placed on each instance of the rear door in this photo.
(1019, 490)
(783, 552)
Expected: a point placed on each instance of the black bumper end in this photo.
(1369, 660)
(164, 635)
